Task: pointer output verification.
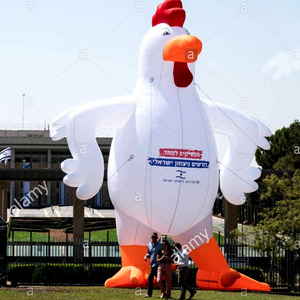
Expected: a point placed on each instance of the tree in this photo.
(280, 224)
(285, 149)
(279, 196)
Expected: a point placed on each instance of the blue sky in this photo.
(63, 53)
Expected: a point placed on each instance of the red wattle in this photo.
(182, 75)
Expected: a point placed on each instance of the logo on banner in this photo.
(180, 174)
(179, 158)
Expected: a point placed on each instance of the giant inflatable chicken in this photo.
(163, 170)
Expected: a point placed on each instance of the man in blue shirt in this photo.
(153, 247)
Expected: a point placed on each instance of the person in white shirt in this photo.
(182, 262)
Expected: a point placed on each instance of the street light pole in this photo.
(23, 111)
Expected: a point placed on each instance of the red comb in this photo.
(170, 12)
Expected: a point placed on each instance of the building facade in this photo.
(35, 150)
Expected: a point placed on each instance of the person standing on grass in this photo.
(165, 259)
(183, 270)
(153, 248)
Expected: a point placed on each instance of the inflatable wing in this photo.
(245, 134)
(79, 124)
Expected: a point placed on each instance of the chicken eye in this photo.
(166, 32)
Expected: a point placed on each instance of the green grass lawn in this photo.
(101, 293)
(95, 235)
(102, 235)
(25, 235)
(216, 235)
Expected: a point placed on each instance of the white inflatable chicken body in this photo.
(163, 170)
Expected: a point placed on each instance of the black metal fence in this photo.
(3, 235)
(62, 251)
(247, 213)
(92, 262)
(61, 262)
(279, 268)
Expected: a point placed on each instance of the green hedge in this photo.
(99, 274)
(20, 273)
(89, 275)
(61, 274)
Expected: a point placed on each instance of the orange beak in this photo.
(183, 48)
